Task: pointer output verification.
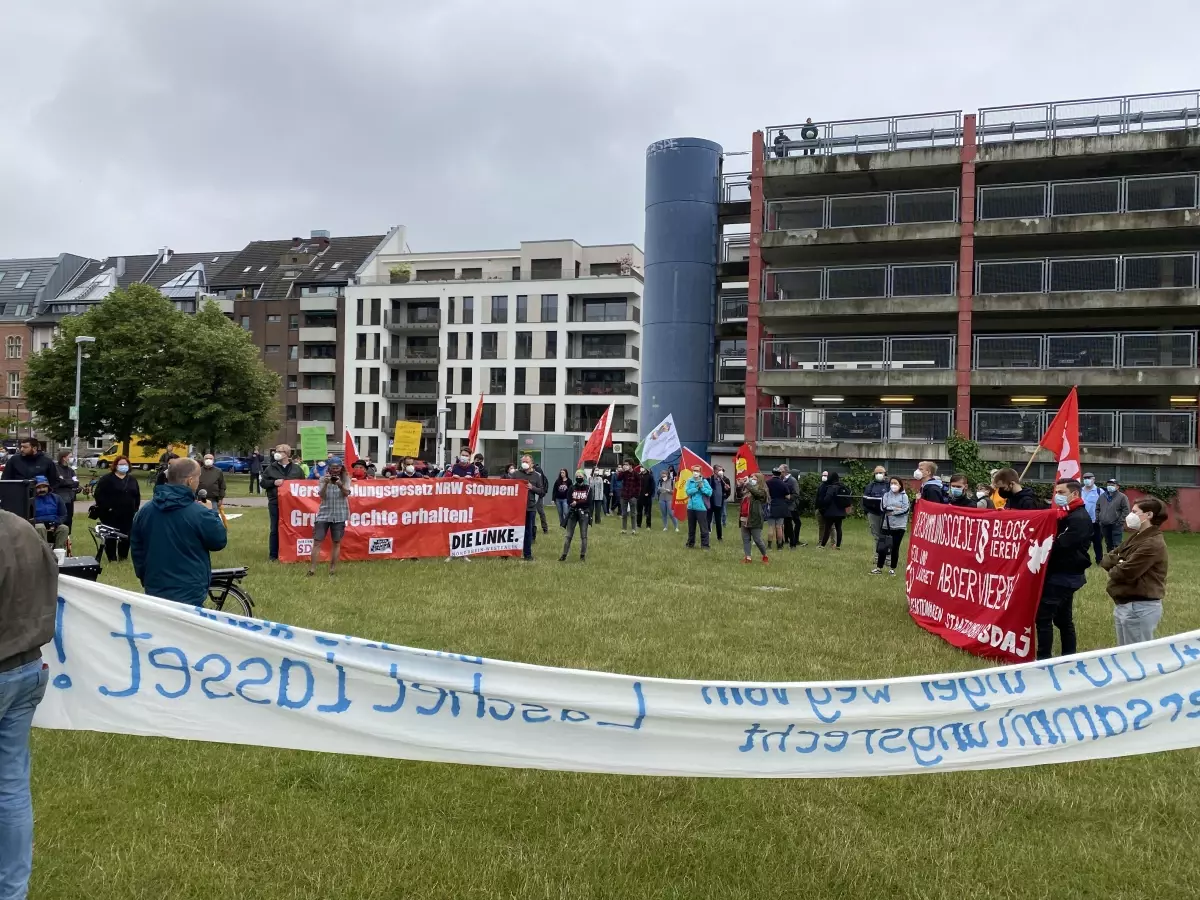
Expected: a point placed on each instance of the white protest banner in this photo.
(130, 664)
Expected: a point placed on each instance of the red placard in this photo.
(975, 576)
(410, 518)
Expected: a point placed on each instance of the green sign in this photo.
(74, 413)
(313, 442)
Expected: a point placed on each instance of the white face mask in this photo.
(753, 481)
(408, 470)
(981, 494)
(1134, 522)
(122, 468)
(895, 488)
(524, 467)
(208, 463)
(464, 459)
(823, 477)
(1112, 488)
(879, 476)
(278, 457)
(917, 473)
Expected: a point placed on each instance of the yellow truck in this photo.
(145, 457)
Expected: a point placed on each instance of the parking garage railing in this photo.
(861, 282)
(1105, 428)
(855, 210)
(858, 353)
(1089, 117)
(1082, 350)
(1160, 271)
(921, 426)
(1092, 196)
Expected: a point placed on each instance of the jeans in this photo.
(1136, 621)
(1054, 610)
(597, 511)
(273, 515)
(563, 505)
(255, 487)
(629, 514)
(875, 523)
(828, 527)
(716, 517)
(530, 533)
(21, 690)
(666, 510)
(752, 534)
(1097, 541)
(697, 517)
(1113, 535)
(575, 517)
(644, 505)
(889, 540)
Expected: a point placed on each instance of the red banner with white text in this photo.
(975, 576)
(410, 518)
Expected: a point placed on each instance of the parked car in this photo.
(231, 464)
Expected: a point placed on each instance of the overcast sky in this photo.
(132, 124)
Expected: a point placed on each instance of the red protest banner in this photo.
(975, 576)
(411, 518)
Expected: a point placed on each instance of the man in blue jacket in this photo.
(50, 514)
(172, 537)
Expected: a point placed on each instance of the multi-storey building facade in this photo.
(548, 333)
(913, 276)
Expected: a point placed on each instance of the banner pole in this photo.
(1025, 471)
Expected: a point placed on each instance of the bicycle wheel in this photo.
(234, 600)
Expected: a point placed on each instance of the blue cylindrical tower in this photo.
(682, 193)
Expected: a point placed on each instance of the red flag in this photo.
(1062, 437)
(600, 438)
(350, 454)
(473, 437)
(744, 463)
(687, 460)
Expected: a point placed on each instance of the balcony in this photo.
(419, 321)
(1101, 428)
(895, 208)
(1093, 196)
(732, 308)
(867, 426)
(318, 365)
(582, 388)
(602, 353)
(900, 289)
(735, 187)
(323, 335)
(735, 248)
(421, 357)
(730, 429)
(1136, 113)
(1161, 358)
(306, 396)
(587, 424)
(629, 314)
(915, 361)
(319, 304)
(416, 391)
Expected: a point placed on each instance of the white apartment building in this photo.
(549, 333)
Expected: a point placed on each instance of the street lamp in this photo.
(439, 454)
(79, 342)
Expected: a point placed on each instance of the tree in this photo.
(140, 337)
(216, 393)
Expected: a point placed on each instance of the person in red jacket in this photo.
(631, 489)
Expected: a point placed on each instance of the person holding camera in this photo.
(332, 514)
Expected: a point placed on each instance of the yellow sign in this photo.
(407, 440)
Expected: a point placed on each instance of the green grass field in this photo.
(128, 817)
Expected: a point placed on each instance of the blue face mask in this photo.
(1060, 499)
(956, 492)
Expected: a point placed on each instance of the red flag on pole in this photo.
(744, 463)
(350, 453)
(1062, 437)
(600, 438)
(473, 437)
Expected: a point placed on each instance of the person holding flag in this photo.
(579, 514)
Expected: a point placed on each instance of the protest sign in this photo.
(129, 664)
(975, 576)
(313, 442)
(407, 439)
(409, 518)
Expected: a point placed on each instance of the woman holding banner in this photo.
(894, 505)
(1137, 573)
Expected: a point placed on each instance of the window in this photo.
(291, 414)
(318, 382)
(12, 347)
(548, 421)
(547, 382)
(551, 345)
(475, 274)
(20, 284)
(360, 415)
(378, 346)
(604, 268)
(522, 308)
(271, 348)
(604, 311)
(452, 345)
(274, 320)
(376, 311)
(488, 345)
(373, 381)
(549, 307)
(544, 269)
(488, 419)
(291, 383)
(293, 351)
(516, 273)
(293, 323)
(519, 382)
(467, 387)
(359, 317)
(360, 346)
(358, 379)
(498, 383)
(14, 384)
(524, 345)
(602, 346)
(468, 316)
(450, 311)
(434, 275)
(470, 346)
(499, 309)
(373, 447)
(245, 323)
(521, 416)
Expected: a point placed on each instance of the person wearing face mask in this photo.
(1008, 485)
(537, 488)
(49, 514)
(876, 490)
(173, 536)
(666, 500)
(791, 524)
(562, 496)
(318, 469)
(332, 515)
(699, 499)
(631, 487)
(579, 514)
(1112, 510)
(960, 492)
(480, 469)
(817, 511)
(278, 470)
(1137, 573)
(408, 469)
(68, 484)
(1065, 570)
(463, 467)
(599, 486)
(117, 498)
(985, 497)
(750, 497)
(212, 482)
(1091, 496)
(256, 467)
(721, 494)
(834, 501)
(932, 489)
(895, 508)
(647, 489)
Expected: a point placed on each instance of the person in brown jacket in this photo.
(1137, 573)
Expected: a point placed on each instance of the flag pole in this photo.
(1025, 471)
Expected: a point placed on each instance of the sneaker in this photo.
(677, 529)
(802, 544)
(891, 572)
(747, 560)
(766, 559)
(877, 571)
(582, 557)
(838, 547)
(622, 531)
(562, 558)
(665, 528)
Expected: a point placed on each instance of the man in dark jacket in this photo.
(68, 483)
(720, 496)
(280, 468)
(537, 489)
(256, 467)
(872, 505)
(30, 463)
(1008, 485)
(173, 536)
(631, 487)
(960, 493)
(1064, 569)
(50, 514)
(28, 595)
(541, 503)
(649, 487)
